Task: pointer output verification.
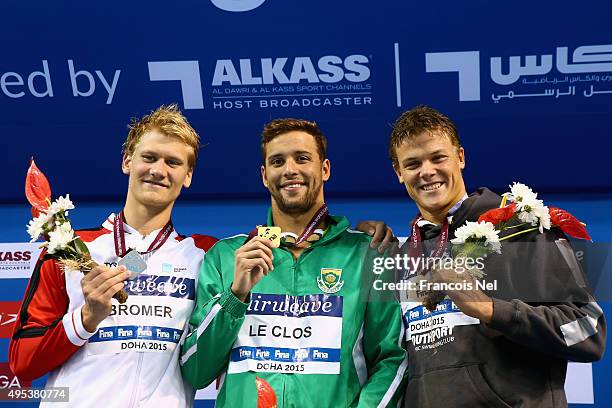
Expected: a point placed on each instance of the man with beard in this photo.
(301, 314)
(500, 348)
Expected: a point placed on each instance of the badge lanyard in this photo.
(119, 236)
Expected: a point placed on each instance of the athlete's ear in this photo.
(264, 176)
(125, 163)
(398, 173)
(461, 156)
(326, 169)
(187, 181)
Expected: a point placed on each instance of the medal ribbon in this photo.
(415, 251)
(316, 220)
(119, 237)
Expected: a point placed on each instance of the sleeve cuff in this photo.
(73, 325)
(232, 304)
(504, 313)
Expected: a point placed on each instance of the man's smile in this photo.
(155, 183)
(431, 186)
(292, 185)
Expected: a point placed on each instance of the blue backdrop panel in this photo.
(528, 84)
(527, 93)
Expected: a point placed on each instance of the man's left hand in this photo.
(381, 233)
(470, 300)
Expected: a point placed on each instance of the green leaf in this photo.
(81, 247)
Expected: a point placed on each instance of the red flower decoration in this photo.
(568, 223)
(37, 189)
(266, 398)
(497, 215)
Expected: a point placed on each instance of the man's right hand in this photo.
(252, 262)
(99, 286)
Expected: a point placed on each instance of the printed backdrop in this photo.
(529, 80)
(529, 85)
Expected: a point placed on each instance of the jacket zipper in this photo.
(137, 384)
(294, 277)
(294, 268)
(294, 290)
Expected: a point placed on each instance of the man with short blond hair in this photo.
(169, 121)
(114, 354)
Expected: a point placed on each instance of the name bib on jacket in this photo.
(152, 319)
(427, 330)
(289, 334)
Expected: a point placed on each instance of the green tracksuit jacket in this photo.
(315, 329)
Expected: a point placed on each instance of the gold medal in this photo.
(271, 233)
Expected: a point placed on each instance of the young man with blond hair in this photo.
(111, 354)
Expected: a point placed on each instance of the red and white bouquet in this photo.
(521, 210)
(51, 223)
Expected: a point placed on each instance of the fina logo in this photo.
(237, 5)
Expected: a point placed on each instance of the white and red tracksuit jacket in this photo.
(132, 360)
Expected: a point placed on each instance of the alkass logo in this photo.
(268, 71)
(15, 256)
(238, 5)
(328, 69)
(8, 316)
(9, 380)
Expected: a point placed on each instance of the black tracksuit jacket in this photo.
(543, 317)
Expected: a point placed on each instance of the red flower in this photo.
(266, 398)
(497, 215)
(568, 223)
(37, 189)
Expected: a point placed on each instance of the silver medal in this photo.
(133, 263)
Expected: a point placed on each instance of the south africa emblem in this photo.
(330, 280)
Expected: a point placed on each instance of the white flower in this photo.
(36, 226)
(61, 204)
(528, 204)
(474, 231)
(60, 237)
(543, 216)
(527, 214)
(519, 192)
(534, 212)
